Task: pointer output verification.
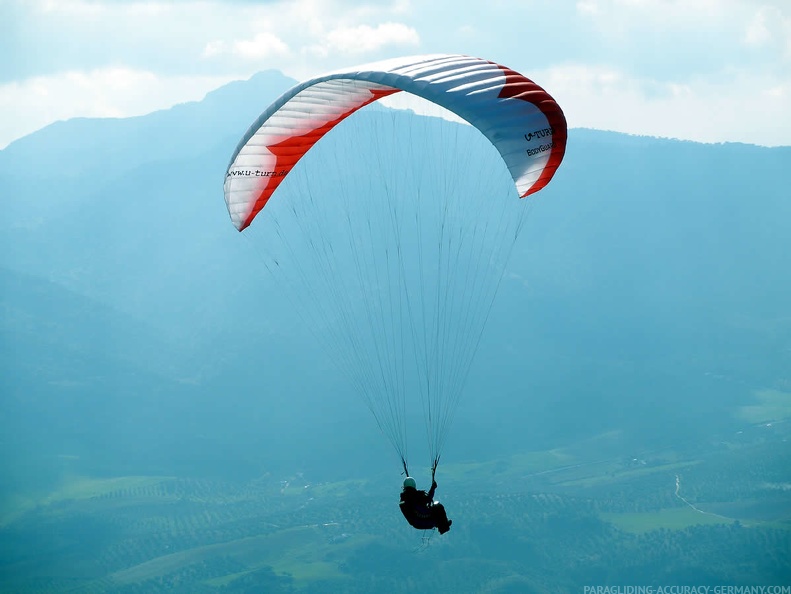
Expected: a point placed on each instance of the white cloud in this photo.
(263, 45)
(770, 26)
(214, 48)
(757, 30)
(766, 19)
(700, 110)
(107, 92)
(671, 67)
(364, 38)
(588, 7)
(162, 52)
(660, 11)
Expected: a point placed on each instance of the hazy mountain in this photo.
(169, 423)
(648, 290)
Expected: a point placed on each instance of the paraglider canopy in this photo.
(517, 116)
(395, 270)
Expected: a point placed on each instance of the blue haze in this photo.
(647, 268)
(648, 295)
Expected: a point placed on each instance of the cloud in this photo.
(639, 60)
(104, 92)
(758, 30)
(72, 56)
(660, 11)
(719, 110)
(633, 19)
(263, 45)
(365, 38)
(769, 26)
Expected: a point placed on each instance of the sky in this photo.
(702, 70)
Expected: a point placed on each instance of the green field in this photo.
(677, 518)
(541, 521)
(772, 406)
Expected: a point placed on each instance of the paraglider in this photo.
(395, 267)
(421, 510)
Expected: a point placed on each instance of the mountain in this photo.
(647, 290)
(655, 283)
(82, 148)
(169, 422)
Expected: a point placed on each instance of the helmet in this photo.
(410, 482)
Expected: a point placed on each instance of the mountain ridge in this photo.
(642, 268)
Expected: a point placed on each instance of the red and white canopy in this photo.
(517, 116)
